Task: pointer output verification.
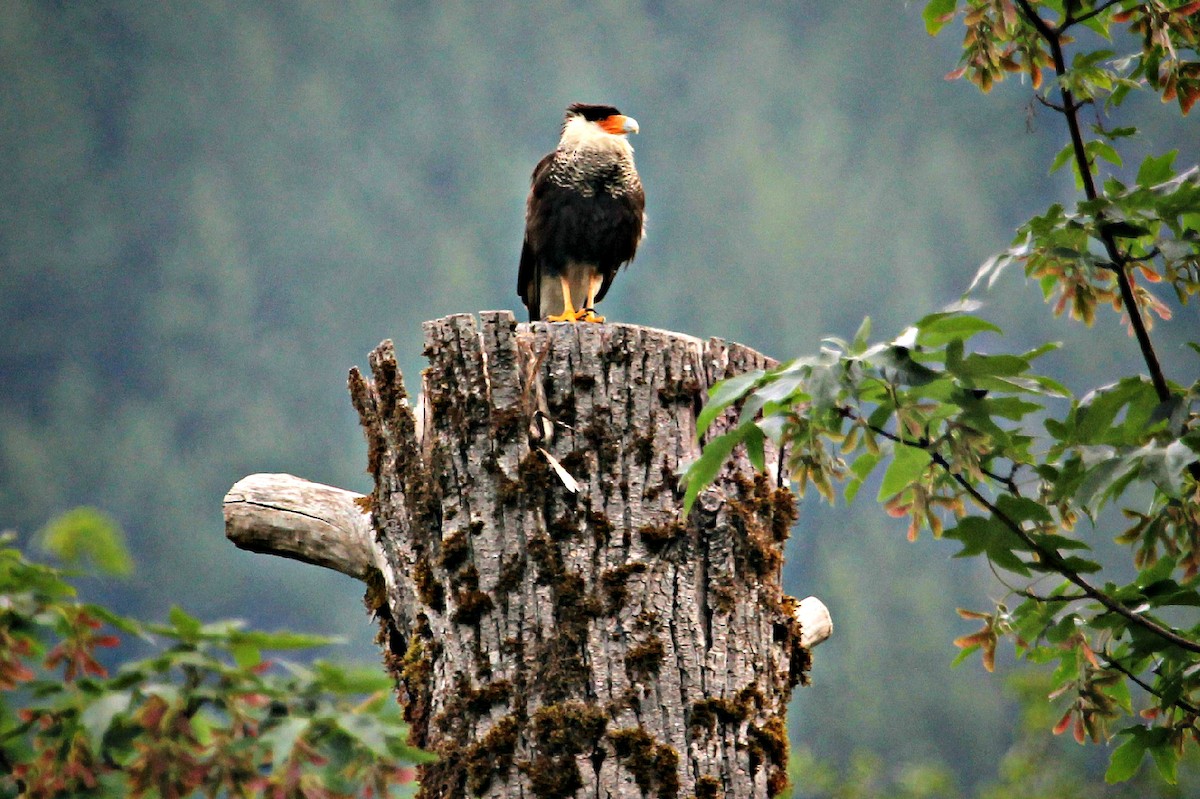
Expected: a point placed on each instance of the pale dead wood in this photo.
(816, 624)
(279, 514)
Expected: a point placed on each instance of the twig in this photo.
(1050, 557)
(1113, 663)
(1069, 20)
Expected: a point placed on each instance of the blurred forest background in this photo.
(211, 210)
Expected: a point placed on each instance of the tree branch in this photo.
(1069, 110)
(278, 514)
(1048, 556)
(1113, 663)
(1069, 20)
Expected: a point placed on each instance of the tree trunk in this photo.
(555, 628)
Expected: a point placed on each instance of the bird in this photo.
(584, 218)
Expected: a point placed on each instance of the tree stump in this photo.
(555, 628)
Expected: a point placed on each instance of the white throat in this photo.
(579, 134)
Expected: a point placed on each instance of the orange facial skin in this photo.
(619, 124)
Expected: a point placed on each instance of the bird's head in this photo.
(591, 124)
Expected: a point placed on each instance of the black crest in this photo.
(592, 113)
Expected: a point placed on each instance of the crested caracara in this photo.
(584, 217)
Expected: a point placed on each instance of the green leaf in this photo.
(723, 394)
(1167, 759)
(944, 329)
(991, 536)
(1022, 509)
(87, 535)
(98, 716)
(979, 365)
(907, 370)
(1098, 409)
(754, 447)
(245, 655)
(1125, 760)
(705, 468)
(187, 626)
(907, 466)
(1103, 149)
(282, 738)
(1060, 160)
(346, 679)
(1099, 480)
(280, 640)
(862, 466)
(861, 336)
(963, 654)
(1156, 169)
(937, 13)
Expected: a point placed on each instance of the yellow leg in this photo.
(568, 314)
(588, 314)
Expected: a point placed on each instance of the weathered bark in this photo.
(551, 642)
(554, 626)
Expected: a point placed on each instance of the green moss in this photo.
(429, 590)
(444, 776)
(644, 660)
(562, 731)
(577, 463)
(601, 527)
(415, 678)
(768, 745)
(709, 787)
(643, 449)
(602, 440)
(508, 423)
(614, 584)
(376, 593)
(508, 491)
(512, 571)
(563, 527)
(492, 755)
(654, 766)
(535, 475)
(481, 700)
(470, 606)
(455, 550)
(708, 713)
(679, 392)
(561, 668)
(784, 513)
(656, 537)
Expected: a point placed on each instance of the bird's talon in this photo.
(590, 315)
(566, 316)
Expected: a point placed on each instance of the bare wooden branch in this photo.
(279, 514)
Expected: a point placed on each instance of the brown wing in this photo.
(529, 273)
(624, 234)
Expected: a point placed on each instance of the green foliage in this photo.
(87, 537)
(203, 714)
(1035, 766)
(981, 449)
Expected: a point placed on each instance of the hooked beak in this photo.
(619, 125)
